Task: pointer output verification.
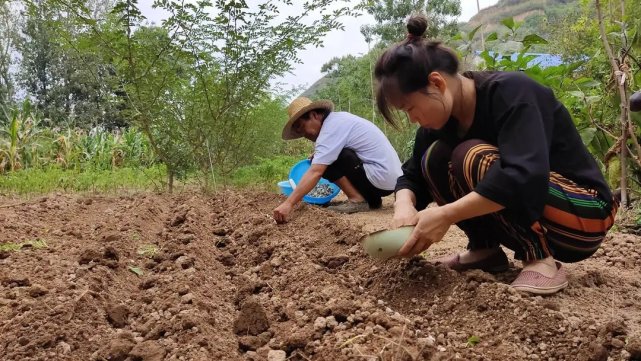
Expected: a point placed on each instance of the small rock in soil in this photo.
(276, 355)
(37, 290)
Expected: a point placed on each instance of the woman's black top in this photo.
(534, 134)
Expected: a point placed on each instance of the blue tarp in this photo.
(542, 59)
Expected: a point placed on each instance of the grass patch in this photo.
(148, 250)
(265, 174)
(14, 247)
(55, 179)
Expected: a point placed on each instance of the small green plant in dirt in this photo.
(148, 250)
(473, 340)
(136, 270)
(33, 244)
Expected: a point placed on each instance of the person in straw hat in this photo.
(349, 151)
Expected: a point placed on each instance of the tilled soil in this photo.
(198, 277)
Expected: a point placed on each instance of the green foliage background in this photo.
(95, 88)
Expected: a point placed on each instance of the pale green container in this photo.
(385, 244)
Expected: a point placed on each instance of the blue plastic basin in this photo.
(296, 174)
(285, 188)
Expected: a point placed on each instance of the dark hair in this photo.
(404, 67)
(324, 112)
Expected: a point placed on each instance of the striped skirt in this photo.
(574, 222)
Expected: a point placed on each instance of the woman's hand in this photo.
(432, 225)
(404, 215)
(281, 212)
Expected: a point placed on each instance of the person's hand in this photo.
(432, 225)
(281, 212)
(404, 215)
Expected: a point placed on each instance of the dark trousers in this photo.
(349, 165)
(574, 220)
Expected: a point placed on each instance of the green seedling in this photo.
(136, 270)
(34, 243)
(147, 250)
(10, 247)
(473, 340)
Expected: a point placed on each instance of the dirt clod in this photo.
(16, 281)
(37, 291)
(148, 351)
(251, 319)
(117, 315)
(336, 261)
(118, 349)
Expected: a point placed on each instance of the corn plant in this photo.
(63, 148)
(136, 148)
(18, 138)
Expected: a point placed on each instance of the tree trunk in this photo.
(620, 79)
(170, 179)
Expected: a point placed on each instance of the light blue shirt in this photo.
(345, 130)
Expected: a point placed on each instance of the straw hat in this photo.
(297, 108)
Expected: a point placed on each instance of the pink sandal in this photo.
(534, 282)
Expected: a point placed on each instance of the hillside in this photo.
(533, 13)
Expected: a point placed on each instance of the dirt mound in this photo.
(196, 277)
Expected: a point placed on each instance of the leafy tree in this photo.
(391, 16)
(67, 80)
(196, 84)
(41, 71)
(7, 47)
(252, 47)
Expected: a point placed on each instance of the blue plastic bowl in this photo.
(285, 188)
(296, 173)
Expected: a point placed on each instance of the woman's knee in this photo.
(468, 157)
(437, 159)
(565, 255)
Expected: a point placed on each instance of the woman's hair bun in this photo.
(416, 25)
